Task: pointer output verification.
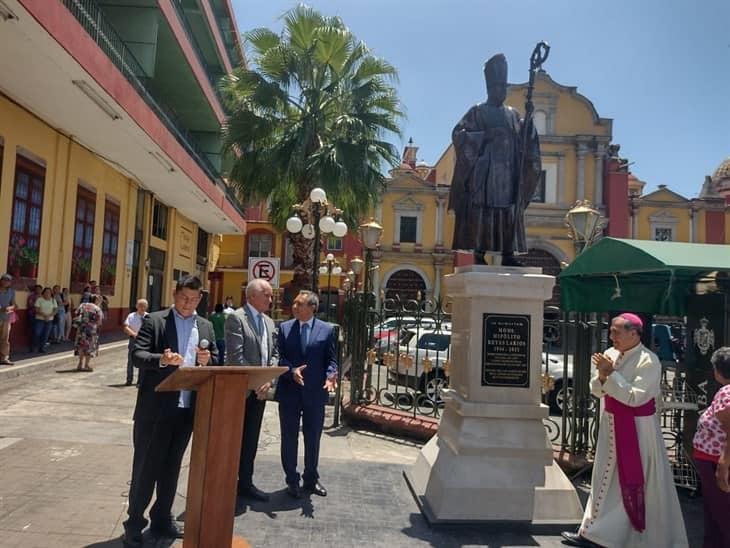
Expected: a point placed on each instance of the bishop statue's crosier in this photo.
(497, 171)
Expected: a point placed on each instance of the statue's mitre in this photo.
(495, 69)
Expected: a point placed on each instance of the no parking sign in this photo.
(266, 268)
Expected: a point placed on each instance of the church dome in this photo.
(722, 171)
(721, 179)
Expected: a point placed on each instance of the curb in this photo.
(392, 421)
(35, 365)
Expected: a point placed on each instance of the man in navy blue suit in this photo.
(307, 346)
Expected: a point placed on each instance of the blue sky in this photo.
(659, 68)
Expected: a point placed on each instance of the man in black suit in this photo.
(307, 346)
(163, 421)
(250, 341)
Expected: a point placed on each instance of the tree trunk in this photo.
(302, 261)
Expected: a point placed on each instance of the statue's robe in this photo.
(488, 195)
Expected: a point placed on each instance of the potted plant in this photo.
(15, 256)
(108, 273)
(29, 262)
(81, 268)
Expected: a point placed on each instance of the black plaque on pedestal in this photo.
(506, 350)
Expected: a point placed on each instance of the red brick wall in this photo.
(616, 198)
(715, 227)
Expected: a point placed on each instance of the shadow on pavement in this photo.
(149, 542)
(279, 501)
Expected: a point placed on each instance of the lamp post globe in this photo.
(584, 222)
(318, 196)
(294, 224)
(327, 224)
(370, 234)
(340, 229)
(308, 231)
(356, 265)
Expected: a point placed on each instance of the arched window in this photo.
(539, 118)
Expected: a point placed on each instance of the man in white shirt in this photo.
(163, 421)
(250, 341)
(131, 328)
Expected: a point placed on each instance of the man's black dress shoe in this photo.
(132, 540)
(574, 539)
(293, 490)
(253, 493)
(316, 488)
(169, 530)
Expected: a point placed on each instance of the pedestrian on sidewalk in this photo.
(307, 346)
(218, 319)
(33, 295)
(712, 455)
(249, 338)
(163, 421)
(7, 317)
(67, 307)
(131, 327)
(45, 312)
(88, 321)
(60, 317)
(633, 501)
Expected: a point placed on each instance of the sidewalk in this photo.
(25, 362)
(65, 460)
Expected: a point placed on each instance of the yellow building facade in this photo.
(60, 174)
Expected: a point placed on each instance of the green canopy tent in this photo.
(639, 275)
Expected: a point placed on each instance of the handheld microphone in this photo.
(204, 344)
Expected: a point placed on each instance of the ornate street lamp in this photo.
(585, 223)
(329, 266)
(313, 218)
(356, 265)
(370, 233)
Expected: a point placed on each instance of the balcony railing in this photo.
(92, 18)
(213, 78)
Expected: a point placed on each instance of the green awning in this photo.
(639, 275)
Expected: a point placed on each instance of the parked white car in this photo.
(421, 361)
(563, 388)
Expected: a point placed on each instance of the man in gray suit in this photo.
(250, 341)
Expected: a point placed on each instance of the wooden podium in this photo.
(219, 411)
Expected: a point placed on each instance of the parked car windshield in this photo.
(438, 342)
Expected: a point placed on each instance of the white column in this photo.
(440, 210)
(598, 157)
(437, 281)
(581, 152)
(562, 198)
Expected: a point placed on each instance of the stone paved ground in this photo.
(65, 457)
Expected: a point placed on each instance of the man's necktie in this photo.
(303, 336)
(260, 325)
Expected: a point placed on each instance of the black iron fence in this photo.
(399, 351)
(399, 357)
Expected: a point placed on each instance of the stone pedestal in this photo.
(491, 459)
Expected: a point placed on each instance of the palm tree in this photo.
(313, 110)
